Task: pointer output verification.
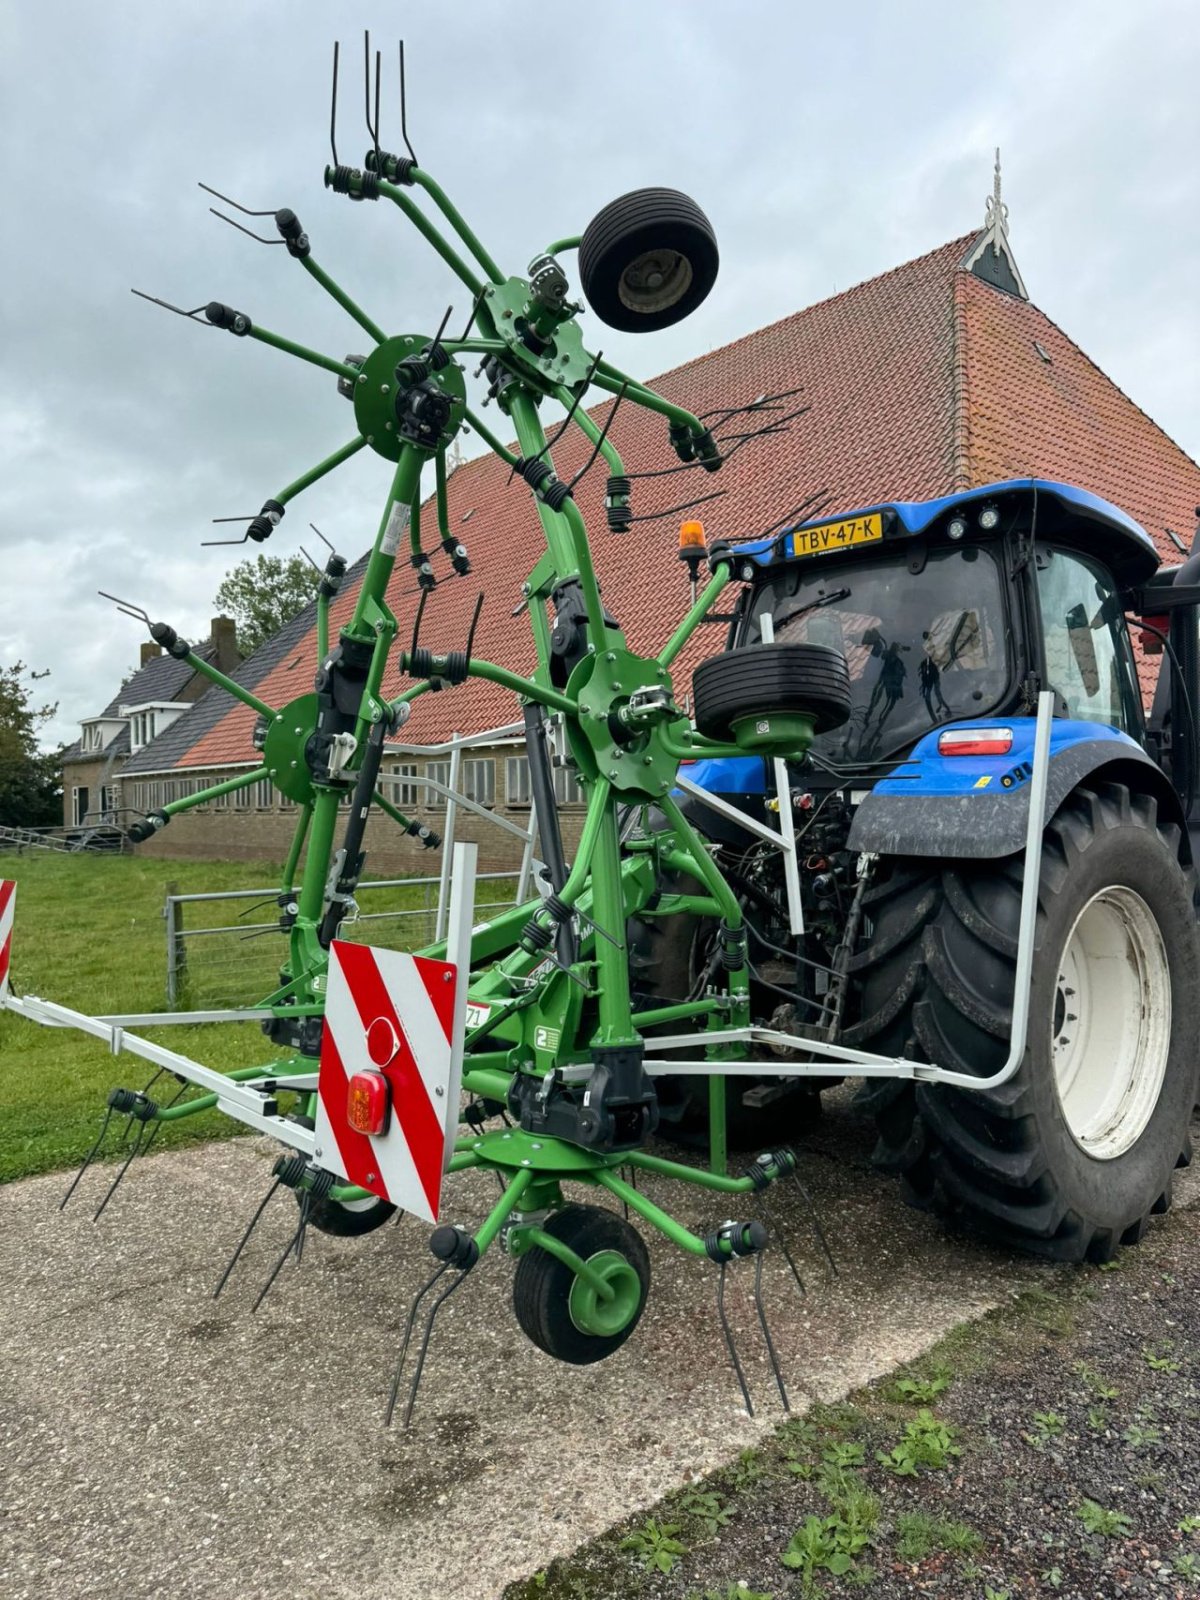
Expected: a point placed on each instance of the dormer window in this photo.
(148, 721)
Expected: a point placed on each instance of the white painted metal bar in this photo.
(862, 1063)
(238, 1100)
(458, 951)
(730, 813)
(443, 901)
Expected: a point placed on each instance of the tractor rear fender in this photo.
(975, 807)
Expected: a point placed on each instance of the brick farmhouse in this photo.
(937, 376)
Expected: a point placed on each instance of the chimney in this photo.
(224, 642)
(149, 651)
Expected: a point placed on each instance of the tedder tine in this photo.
(245, 1239)
(90, 1157)
(777, 1233)
(113, 1186)
(419, 1369)
(729, 1344)
(815, 1223)
(408, 1329)
(767, 1340)
(291, 1245)
(319, 1184)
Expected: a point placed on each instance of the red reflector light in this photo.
(368, 1101)
(975, 742)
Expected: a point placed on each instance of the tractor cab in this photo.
(957, 610)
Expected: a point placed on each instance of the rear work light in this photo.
(368, 1102)
(975, 742)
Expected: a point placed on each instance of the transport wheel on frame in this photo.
(770, 680)
(1071, 1156)
(647, 260)
(348, 1219)
(563, 1314)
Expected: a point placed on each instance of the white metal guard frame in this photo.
(251, 1105)
(246, 1100)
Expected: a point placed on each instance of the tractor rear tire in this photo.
(1070, 1157)
(557, 1310)
(771, 679)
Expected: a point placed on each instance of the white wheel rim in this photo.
(367, 1203)
(1111, 1028)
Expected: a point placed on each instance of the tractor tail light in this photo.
(368, 1101)
(975, 742)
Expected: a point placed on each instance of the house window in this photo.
(93, 737)
(518, 786)
(241, 798)
(567, 790)
(479, 782)
(264, 795)
(79, 806)
(398, 787)
(107, 804)
(439, 771)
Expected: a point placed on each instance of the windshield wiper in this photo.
(813, 605)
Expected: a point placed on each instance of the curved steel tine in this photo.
(174, 1100)
(815, 1223)
(404, 109)
(296, 1241)
(729, 1344)
(373, 131)
(249, 232)
(322, 538)
(762, 1322)
(419, 1369)
(112, 1189)
(193, 315)
(474, 625)
(608, 422)
(671, 511)
(777, 1235)
(408, 1331)
(416, 633)
(245, 210)
(245, 1239)
(88, 1159)
(333, 106)
(126, 606)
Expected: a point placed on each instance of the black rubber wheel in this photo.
(543, 1286)
(647, 260)
(770, 679)
(935, 981)
(347, 1219)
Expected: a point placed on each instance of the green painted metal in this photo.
(283, 749)
(203, 796)
(780, 733)
(343, 299)
(215, 675)
(624, 731)
(376, 388)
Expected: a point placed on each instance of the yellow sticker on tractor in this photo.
(839, 535)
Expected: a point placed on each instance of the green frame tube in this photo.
(203, 796)
(302, 352)
(342, 298)
(215, 675)
(307, 479)
(454, 217)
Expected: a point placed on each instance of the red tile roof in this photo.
(921, 381)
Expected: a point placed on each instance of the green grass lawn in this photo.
(90, 934)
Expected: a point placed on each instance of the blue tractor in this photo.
(910, 817)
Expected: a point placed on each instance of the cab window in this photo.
(1089, 663)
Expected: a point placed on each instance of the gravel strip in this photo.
(154, 1440)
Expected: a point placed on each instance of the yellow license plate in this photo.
(838, 535)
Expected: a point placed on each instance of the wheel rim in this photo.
(600, 1317)
(655, 280)
(368, 1202)
(1111, 1029)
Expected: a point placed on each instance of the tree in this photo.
(30, 778)
(264, 593)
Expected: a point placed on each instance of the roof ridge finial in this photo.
(995, 220)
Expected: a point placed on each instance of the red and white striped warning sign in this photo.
(390, 1014)
(8, 908)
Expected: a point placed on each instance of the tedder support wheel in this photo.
(647, 260)
(347, 1219)
(764, 680)
(1071, 1156)
(564, 1315)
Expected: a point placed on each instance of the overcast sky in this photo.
(827, 144)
